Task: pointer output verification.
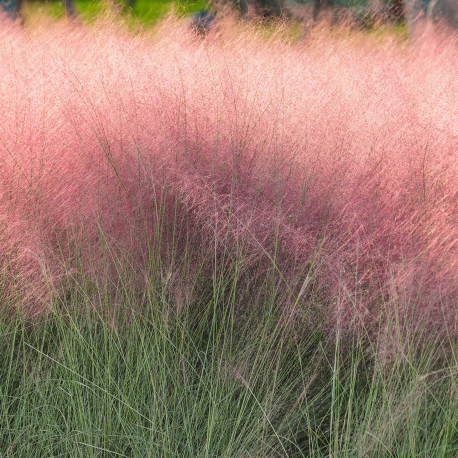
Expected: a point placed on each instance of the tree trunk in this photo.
(397, 9)
(321, 5)
(70, 8)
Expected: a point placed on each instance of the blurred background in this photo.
(361, 13)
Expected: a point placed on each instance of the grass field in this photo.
(144, 13)
(236, 246)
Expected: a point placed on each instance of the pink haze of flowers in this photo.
(338, 155)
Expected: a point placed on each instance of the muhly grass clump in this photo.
(235, 246)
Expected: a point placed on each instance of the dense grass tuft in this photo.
(237, 246)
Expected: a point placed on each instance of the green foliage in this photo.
(147, 379)
(146, 11)
(143, 12)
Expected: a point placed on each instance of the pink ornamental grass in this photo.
(339, 153)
